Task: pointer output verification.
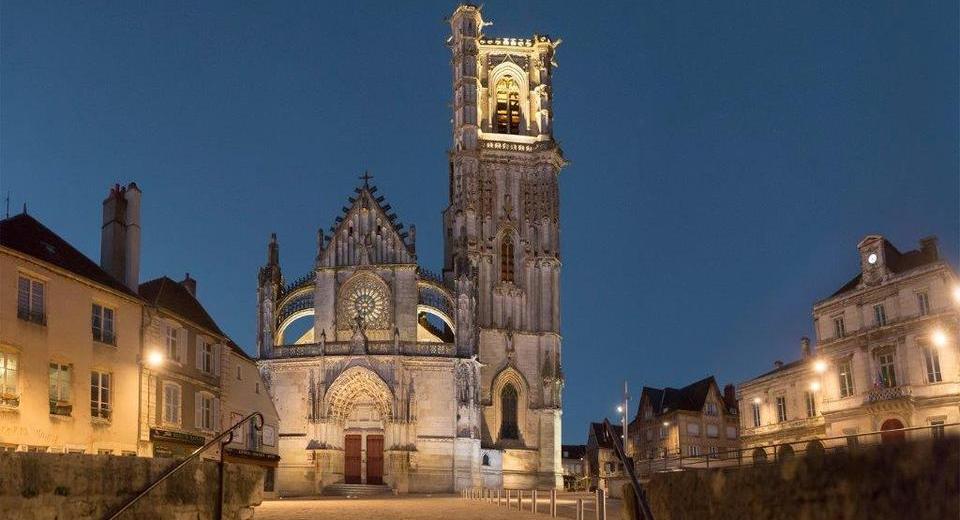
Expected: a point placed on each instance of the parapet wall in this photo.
(42, 486)
(916, 480)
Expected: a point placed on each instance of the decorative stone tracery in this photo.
(358, 384)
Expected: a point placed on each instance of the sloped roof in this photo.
(600, 434)
(27, 235)
(896, 262)
(573, 451)
(174, 297)
(691, 397)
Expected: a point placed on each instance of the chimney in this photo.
(804, 347)
(730, 395)
(929, 247)
(190, 285)
(778, 364)
(113, 233)
(131, 266)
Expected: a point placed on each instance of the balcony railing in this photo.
(886, 394)
(38, 317)
(61, 408)
(345, 348)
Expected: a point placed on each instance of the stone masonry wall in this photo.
(919, 480)
(47, 486)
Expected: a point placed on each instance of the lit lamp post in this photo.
(153, 360)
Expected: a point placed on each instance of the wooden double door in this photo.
(353, 459)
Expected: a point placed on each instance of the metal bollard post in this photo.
(519, 500)
(601, 504)
(534, 507)
(553, 503)
(498, 497)
(579, 509)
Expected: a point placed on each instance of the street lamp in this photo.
(814, 386)
(939, 337)
(154, 358)
(956, 293)
(819, 366)
(620, 409)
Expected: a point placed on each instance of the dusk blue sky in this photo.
(725, 157)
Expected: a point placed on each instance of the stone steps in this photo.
(357, 490)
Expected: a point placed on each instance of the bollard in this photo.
(498, 497)
(601, 504)
(519, 500)
(533, 504)
(579, 509)
(553, 503)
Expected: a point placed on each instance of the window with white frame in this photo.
(30, 300)
(256, 436)
(731, 432)
(269, 435)
(839, 330)
(693, 450)
(171, 338)
(239, 434)
(845, 374)
(664, 430)
(207, 356)
(206, 411)
(60, 395)
(9, 379)
(937, 430)
(756, 414)
(931, 360)
(879, 315)
(100, 394)
(171, 403)
(714, 450)
(888, 369)
(713, 431)
(809, 398)
(781, 409)
(711, 408)
(102, 324)
(693, 429)
(923, 303)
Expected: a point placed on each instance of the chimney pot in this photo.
(778, 364)
(930, 246)
(805, 347)
(190, 285)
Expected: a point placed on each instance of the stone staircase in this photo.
(357, 490)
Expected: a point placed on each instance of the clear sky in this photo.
(726, 157)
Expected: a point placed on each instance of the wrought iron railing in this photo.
(344, 348)
(887, 393)
(304, 301)
(296, 284)
(430, 275)
(226, 434)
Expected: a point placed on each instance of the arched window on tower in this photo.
(506, 259)
(508, 106)
(508, 413)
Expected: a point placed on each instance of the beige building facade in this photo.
(887, 356)
(434, 382)
(69, 347)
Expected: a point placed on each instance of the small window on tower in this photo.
(506, 259)
(508, 106)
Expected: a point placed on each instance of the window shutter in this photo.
(216, 414)
(217, 349)
(182, 345)
(199, 355)
(198, 410)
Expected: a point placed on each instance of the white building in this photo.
(887, 355)
(428, 382)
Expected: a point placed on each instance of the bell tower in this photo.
(501, 227)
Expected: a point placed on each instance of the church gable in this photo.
(367, 233)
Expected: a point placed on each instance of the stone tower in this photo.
(501, 239)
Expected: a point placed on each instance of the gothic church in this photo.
(425, 382)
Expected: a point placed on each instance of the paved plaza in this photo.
(446, 507)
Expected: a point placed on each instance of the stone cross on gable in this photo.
(366, 178)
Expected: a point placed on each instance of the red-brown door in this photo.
(887, 436)
(374, 459)
(351, 459)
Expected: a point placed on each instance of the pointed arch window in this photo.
(508, 413)
(506, 259)
(508, 106)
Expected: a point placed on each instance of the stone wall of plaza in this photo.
(61, 336)
(43, 486)
(888, 356)
(919, 479)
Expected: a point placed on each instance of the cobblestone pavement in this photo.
(445, 507)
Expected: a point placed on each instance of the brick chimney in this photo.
(804, 347)
(730, 395)
(120, 235)
(190, 285)
(929, 246)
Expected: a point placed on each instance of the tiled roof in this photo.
(691, 397)
(786, 366)
(27, 235)
(174, 297)
(572, 451)
(896, 262)
(600, 433)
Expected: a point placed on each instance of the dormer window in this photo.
(508, 106)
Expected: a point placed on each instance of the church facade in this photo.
(430, 382)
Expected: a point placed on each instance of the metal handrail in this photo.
(696, 461)
(644, 508)
(196, 453)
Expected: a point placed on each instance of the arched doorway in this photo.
(759, 455)
(897, 435)
(361, 404)
(785, 451)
